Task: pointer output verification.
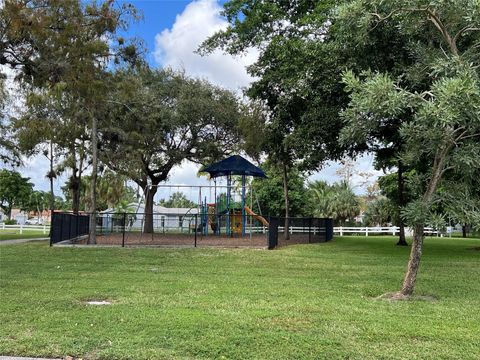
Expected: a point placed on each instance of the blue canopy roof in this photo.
(234, 165)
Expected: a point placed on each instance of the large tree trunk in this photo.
(287, 203)
(93, 186)
(401, 203)
(148, 225)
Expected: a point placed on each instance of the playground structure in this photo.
(236, 219)
(223, 209)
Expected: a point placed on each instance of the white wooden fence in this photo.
(43, 228)
(393, 230)
(339, 230)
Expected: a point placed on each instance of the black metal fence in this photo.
(67, 226)
(299, 231)
(191, 229)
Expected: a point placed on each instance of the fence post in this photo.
(341, 230)
(123, 231)
(328, 229)
(77, 235)
(394, 230)
(21, 228)
(44, 229)
(366, 230)
(62, 218)
(52, 215)
(272, 238)
(195, 243)
(70, 226)
(309, 230)
(3, 226)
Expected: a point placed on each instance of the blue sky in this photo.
(172, 30)
(158, 15)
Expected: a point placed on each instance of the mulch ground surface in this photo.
(185, 240)
(134, 239)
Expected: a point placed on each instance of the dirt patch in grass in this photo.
(396, 296)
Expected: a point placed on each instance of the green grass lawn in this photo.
(300, 302)
(11, 234)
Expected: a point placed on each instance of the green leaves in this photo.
(270, 196)
(379, 212)
(15, 190)
(375, 100)
(337, 201)
(177, 200)
(159, 118)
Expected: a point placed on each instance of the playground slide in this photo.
(258, 217)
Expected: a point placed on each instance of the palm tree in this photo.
(321, 194)
(344, 202)
(337, 201)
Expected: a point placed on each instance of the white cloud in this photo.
(175, 47)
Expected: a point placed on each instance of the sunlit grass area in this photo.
(300, 302)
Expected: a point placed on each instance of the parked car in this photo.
(33, 221)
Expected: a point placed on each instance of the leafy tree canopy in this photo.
(443, 134)
(269, 193)
(15, 191)
(177, 200)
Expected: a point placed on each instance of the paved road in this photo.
(20, 241)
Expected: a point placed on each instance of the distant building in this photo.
(19, 216)
(39, 218)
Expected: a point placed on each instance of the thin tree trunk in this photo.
(75, 189)
(93, 185)
(401, 203)
(464, 230)
(416, 252)
(414, 263)
(50, 176)
(287, 203)
(148, 225)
